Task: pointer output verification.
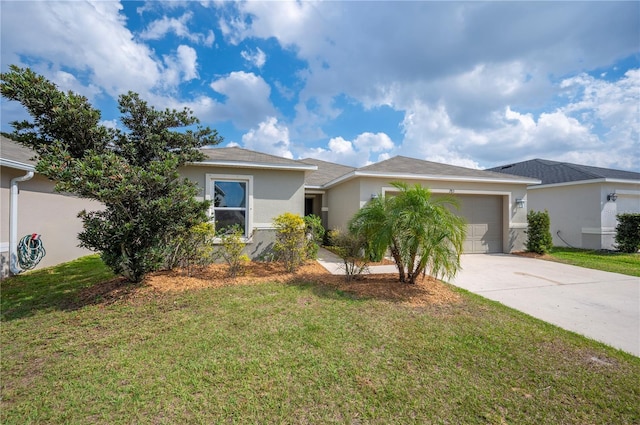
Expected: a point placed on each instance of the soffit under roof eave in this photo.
(432, 177)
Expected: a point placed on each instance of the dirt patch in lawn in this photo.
(427, 291)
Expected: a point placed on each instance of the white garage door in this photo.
(484, 223)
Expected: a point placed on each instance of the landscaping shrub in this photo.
(352, 250)
(314, 234)
(422, 233)
(193, 249)
(290, 246)
(231, 249)
(538, 234)
(132, 170)
(628, 232)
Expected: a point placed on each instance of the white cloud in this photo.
(67, 81)
(269, 137)
(357, 152)
(568, 133)
(257, 58)
(455, 68)
(109, 123)
(180, 67)
(247, 99)
(158, 29)
(89, 38)
(188, 62)
(373, 142)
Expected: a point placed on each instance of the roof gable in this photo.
(327, 171)
(244, 158)
(552, 172)
(402, 168)
(406, 165)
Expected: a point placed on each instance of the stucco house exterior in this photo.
(36, 208)
(492, 203)
(250, 189)
(582, 201)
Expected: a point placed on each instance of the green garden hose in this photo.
(30, 251)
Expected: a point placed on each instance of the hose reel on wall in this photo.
(30, 251)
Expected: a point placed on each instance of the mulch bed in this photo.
(427, 291)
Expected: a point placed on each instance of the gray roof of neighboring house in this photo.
(15, 155)
(244, 158)
(327, 171)
(419, 167)
(551, 172)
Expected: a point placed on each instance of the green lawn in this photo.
(616, 262)
(291, 354)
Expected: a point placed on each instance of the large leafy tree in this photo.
(422, 233)
(132, 172)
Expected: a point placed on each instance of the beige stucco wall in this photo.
(274, 192)
(581, 213)
(42, 210)
(345, 199)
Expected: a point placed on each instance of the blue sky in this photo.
(476, 84)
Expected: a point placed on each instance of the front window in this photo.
(230, 198)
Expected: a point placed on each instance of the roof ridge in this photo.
(581, 169)
(327, 162)
(253, 152)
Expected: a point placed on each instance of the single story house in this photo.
(582, 201)
(492, 203)
(29, 204)
(250, 189)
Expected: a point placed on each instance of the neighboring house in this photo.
(582, 201)
(36, 208)
(492, 203)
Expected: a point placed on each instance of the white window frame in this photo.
(248, 180)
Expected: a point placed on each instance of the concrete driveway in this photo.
(600, 305)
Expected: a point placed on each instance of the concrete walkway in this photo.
(600, 305)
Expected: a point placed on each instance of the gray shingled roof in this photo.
(11, 152)
(327, 171)
(551, 172)
(234, 156)
(405, 165)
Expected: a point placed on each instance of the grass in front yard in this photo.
(298, 353)
(609, 261)
(51, 288)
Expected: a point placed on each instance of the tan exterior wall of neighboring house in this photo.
(274, 192)
(580, 214)
(41, 210)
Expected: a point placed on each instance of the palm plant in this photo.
(422, 233)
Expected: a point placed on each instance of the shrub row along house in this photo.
(250, 189)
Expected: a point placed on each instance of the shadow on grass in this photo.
(68, 286)
(325, 290)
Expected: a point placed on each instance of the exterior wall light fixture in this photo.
(520, 202)
(612, 197)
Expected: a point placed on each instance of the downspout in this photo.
(13, 222)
